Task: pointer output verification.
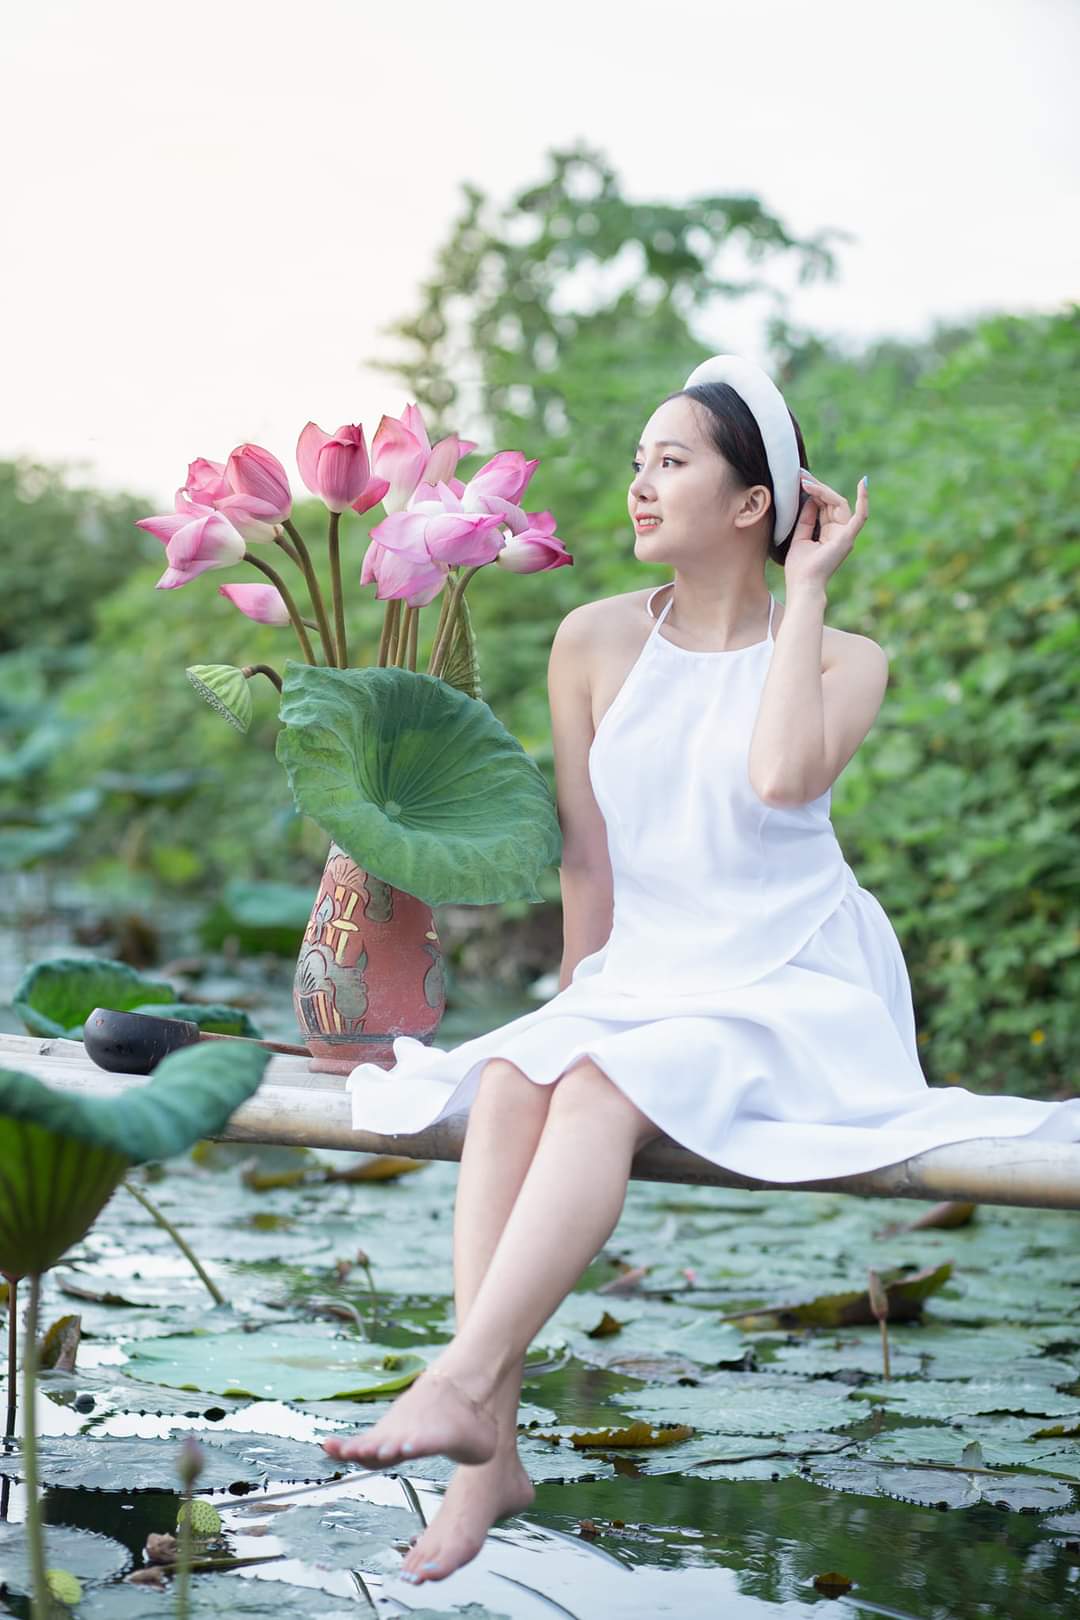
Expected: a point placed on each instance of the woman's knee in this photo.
(586, 1091)
(503, 1084)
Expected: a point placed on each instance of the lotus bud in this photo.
(191, 1461)
(226, 690)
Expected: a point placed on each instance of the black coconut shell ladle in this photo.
(135, 1043)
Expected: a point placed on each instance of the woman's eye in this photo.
(636, 465)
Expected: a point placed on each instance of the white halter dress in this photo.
(752, 998)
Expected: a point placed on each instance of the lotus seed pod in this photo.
(225, 688)
(205, 1520)
(64, 1587)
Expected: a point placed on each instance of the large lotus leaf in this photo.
(21, 846)
(62, 1154)
(57, 996)
(89, 1556)
(132, 1463)
(217, 1018)
(286, 1363)
(260, 916)
(229, 1597)
(418, 782)
(340, 1535)
(52, 1189)
(190, 1094)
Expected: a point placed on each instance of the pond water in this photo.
(798, 1474)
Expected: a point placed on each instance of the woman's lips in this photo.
(647, 523)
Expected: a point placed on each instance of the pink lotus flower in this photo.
(263, 603)
(505, 477)
(251, 489)
(195, 537)
(401, 453)
(412, 552)
(336, 468)
(533, 551)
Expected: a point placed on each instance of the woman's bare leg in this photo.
(505, 1123)
(568, 1205)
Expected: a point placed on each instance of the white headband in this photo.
(766, 403)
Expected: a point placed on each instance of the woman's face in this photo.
(683, 480)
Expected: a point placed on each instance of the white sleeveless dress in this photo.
(752, 999)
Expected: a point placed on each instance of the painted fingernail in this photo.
(429, 1566)
(866, 480)
(408, 1575)
(407, 1447)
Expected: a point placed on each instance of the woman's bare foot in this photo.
(435, 1416)
(476, 1498)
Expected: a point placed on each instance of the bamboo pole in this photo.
(298, 1106)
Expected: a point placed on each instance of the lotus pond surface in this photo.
(689, 1460)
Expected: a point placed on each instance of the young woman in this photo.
(726, 980)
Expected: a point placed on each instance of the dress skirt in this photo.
(811, 1071)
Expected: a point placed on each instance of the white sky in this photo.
(213, 207)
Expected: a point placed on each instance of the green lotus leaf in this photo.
(420, 783)
(106, 1462)
(260, 916)
(57, 996)
(226, 690)
(289, 1362)
(91, 1556)
(62, 1154)
(226, 1597)
(217, 1018)
(21, 846)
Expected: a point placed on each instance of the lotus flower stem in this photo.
(393, 607)
(262, 669)
(287, 547)
(402, 634)
(413, 625)
(303, 556)
(40, 1601)
(401, 637)
(439, 627)
(286, 596)
(13, 1340)
(167, 1226)
(334, 544)
(446, 637)
(12, 1379)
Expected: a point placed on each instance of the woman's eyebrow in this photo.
(678, 442)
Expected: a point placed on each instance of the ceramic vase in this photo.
(370, 969)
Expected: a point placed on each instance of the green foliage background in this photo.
(959, 811)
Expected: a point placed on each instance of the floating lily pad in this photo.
(293, 1362)
(57, 996)
(113, 1463)
(84, 1553)
(931, 1487)
(747, 1403)
(220, 1597)
(339, 1535)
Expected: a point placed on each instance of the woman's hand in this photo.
(813, 562)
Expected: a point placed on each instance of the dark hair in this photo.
(732, 429)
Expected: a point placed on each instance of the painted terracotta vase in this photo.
(370, 969)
